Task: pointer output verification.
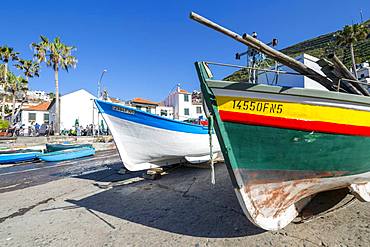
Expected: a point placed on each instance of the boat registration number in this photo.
(249, 105)
(124, 110)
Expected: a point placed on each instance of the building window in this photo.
(199, 109)
(186, 111)
(31, 117)
(164, 113)
(46, 118)
(138, 108)
(186, 97)
(148, 109)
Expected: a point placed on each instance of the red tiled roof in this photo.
(143, 101)
(114, 100)
(40, 107)
(183, 91)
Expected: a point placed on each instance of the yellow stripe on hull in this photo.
(293, 110)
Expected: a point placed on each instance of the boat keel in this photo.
(274, 205)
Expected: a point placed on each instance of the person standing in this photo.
(37, 128)
(32, 129)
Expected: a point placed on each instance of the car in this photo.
(43, 130)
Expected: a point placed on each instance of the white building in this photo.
(363, 72)
(74, 106)
(143, 105)
(20, 101)
(184, 104)
(34, 114)
(179, 104)
(151, 107)
(287, 80)
(164, 111)
(37, 95)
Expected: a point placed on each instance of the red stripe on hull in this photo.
(278, 122)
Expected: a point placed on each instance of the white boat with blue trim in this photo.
(146, 141)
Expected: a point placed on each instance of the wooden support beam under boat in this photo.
(274, 54)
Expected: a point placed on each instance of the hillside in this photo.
(320, 47)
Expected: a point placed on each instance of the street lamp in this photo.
(93, 117)
(98, 96)
(99, 83)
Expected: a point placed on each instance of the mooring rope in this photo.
(210, 132)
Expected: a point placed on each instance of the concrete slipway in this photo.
(60, 206)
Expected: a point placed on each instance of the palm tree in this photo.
(30, 69)
(15, 85)
(349, 36)
(6, 54)
(56, 55)
(2, 85)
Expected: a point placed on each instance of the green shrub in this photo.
(4, 124)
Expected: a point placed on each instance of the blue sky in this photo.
(150, 46)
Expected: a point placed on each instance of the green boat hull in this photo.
(61, 147)
(266, 148)
(277, 164)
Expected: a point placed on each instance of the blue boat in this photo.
(68, 154)
(8, 158)
(64, 146)
(146, 141)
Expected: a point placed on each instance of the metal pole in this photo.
(99, 83)
(98, 96)
(98, 124)
(93, 116)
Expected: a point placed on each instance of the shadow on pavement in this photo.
(107, 173)
(183, 202)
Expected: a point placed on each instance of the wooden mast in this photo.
(274, 54)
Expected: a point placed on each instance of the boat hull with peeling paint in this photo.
(284, 145)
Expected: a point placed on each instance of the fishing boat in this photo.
(14, 157)
(146, 141)
(67, 154)
(13, 150)
(284, 145)
(64, 146)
